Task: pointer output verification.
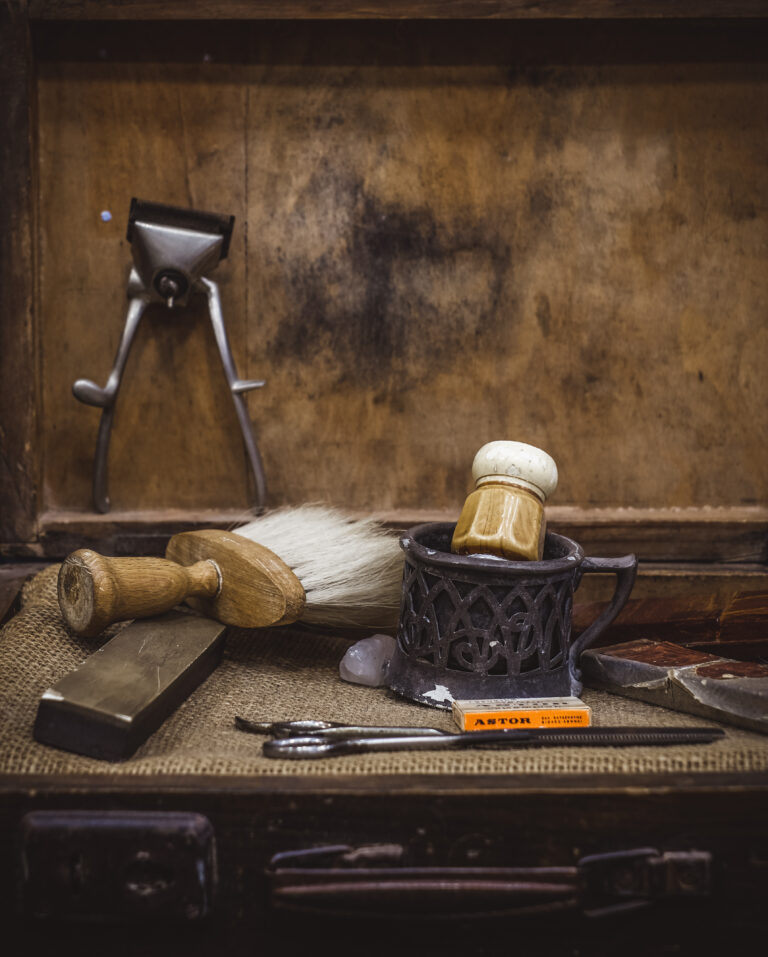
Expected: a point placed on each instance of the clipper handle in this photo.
(95, 591)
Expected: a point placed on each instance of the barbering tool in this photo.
(329, 730)
(504, 515)
(285, 728)
(683, 679)
(310, 563)
(315, 746)
(123, 692)
(173, 249)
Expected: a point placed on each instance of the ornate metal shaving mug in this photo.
(477, 627)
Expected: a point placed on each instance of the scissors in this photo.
(320, 739)
(330, 730)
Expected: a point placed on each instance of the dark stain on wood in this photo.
(371, 308)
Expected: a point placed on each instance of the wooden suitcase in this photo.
(453, 223)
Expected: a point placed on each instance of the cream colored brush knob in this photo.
(504, 515)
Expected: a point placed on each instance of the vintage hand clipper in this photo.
(173, 249)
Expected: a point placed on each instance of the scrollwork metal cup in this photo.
(478, 627)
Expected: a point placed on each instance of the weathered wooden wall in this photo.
(445, 234)
(19, 463)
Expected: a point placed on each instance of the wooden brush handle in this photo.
(95, 591)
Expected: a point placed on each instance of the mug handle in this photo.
(625, 569)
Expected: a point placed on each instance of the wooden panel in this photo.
(695, 534)
(19, 454)
(679, 580)
(736, 617)
(169, 133)
(454, 235)
(456, 250)
(736, 537)
(441, 820)
(343, 9)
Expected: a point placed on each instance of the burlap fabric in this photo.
(286, 673)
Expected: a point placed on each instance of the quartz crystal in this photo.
(367, 661)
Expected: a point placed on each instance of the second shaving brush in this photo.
(504, 515)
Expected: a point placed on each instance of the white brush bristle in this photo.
(350, 569)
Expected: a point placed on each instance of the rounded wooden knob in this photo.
(524, 465)
(95, 591)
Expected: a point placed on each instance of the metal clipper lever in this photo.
(91, 394)
(171, 248)
(237, 387)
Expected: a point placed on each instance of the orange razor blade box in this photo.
(566, 712)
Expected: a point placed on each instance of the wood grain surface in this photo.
(257, 589)
(444, 235)
(737, 616)
(19, 452)
(353, 9)
(170, 133)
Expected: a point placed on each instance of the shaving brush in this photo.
(504, 515)
(311, 563)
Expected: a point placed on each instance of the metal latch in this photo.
(628, 880)
(373, 880)
(116, 865)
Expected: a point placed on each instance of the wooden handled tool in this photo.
(330, 570)
(504, 515)
(222, 574)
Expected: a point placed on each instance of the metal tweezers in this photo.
(321, 739)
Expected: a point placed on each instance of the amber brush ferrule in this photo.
(504, 515)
